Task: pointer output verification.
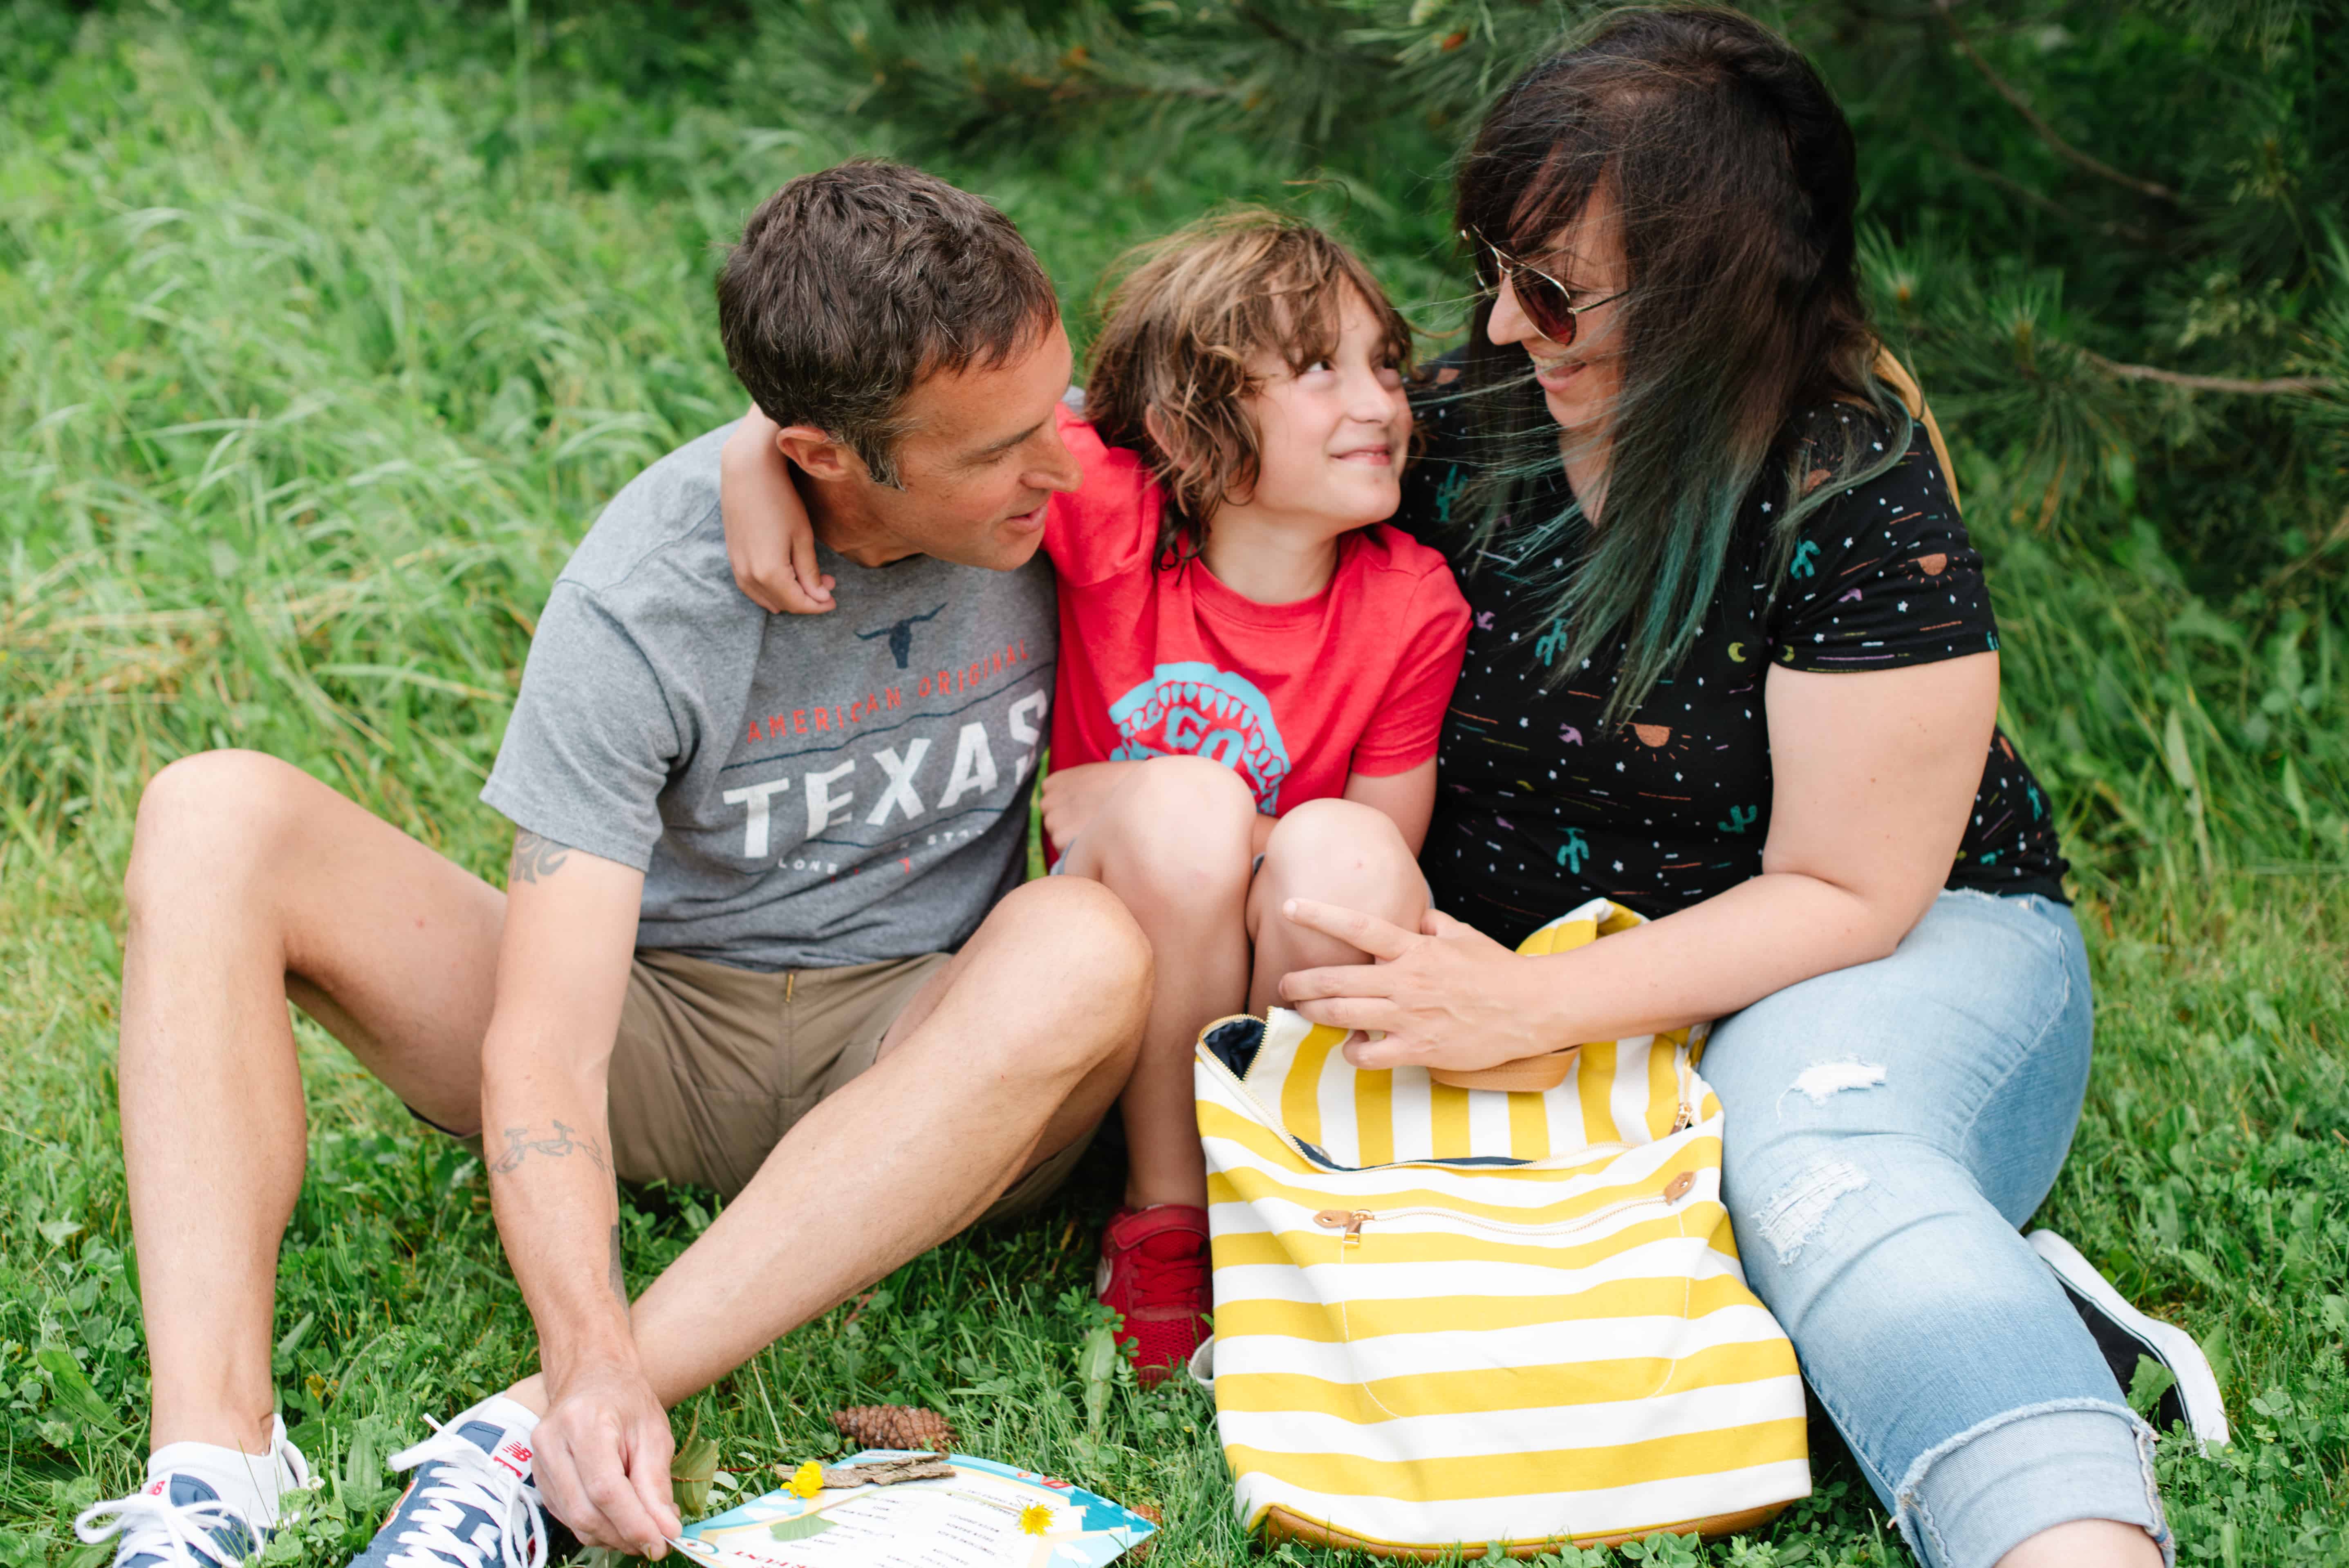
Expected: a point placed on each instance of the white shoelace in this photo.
(467, 1478)
(175, 1532)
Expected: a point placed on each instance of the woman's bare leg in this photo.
(2086, 1544)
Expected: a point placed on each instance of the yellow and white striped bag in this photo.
(1450, 1317)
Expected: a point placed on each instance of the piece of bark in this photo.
(884, 1472)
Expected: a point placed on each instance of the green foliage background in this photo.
(325, 331)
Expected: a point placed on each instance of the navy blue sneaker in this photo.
(471, 1503)
(2126, 1336)
(178, 1519)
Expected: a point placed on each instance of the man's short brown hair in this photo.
(853, 283)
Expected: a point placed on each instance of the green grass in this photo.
(317, 354)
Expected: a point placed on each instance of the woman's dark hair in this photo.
(1733, 171)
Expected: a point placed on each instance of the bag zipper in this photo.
(1351, 1221)
(1683, 1117)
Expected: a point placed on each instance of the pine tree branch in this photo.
(2047, 132)
(2273, 386)
(2045, 203)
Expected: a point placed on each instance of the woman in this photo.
(1735, 665)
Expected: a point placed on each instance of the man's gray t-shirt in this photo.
(801, 791)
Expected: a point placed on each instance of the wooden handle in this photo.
(1527, 1074)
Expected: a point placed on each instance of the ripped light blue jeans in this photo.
(1888, 1127)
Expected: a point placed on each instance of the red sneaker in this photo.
(1153, 1271)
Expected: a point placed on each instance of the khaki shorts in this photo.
(714, 1064)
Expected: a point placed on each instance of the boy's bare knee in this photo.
(1191, 784)
(1343, 841)
(212, 816)
(1343, 825)
(1178, 833)
(1333, 852)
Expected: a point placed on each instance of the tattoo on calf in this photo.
(535, 856)
(520, 1145)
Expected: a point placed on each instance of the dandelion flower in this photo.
(807, 1480)
(1036, 1518)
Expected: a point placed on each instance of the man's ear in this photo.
(820, 455)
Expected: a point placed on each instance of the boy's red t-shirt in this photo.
(1293, 698)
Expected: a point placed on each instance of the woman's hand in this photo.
(1447, 995)
(1071, 796)
(770, 542)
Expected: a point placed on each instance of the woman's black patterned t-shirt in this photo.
(1538, 808)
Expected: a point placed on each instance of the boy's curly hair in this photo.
(1183, 318)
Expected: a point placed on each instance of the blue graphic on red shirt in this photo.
(1193, 709)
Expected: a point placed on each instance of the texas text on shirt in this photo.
(799, 791)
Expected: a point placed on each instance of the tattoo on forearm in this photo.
(619, 1280)
(521, 1145)
(535, 856)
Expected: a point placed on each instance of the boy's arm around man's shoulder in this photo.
(769, 540)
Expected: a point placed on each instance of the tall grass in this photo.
(322, 338)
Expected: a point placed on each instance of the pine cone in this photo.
(895, 1427)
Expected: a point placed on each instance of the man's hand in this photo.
(1074, 796)
(769, 541)
(1446, 995)
(601, 1458)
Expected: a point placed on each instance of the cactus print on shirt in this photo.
(1538, 808)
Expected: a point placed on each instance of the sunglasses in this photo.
(1544, 300)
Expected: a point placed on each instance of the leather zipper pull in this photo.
(1678, 1187)
(1348, 1219)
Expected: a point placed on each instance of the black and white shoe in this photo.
(180, 1519)
(470, 1503)
(2124, 1334)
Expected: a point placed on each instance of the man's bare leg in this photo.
(1337, 851)
(250, 882)
(1010, 1054)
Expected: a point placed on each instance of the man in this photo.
(762, 928)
